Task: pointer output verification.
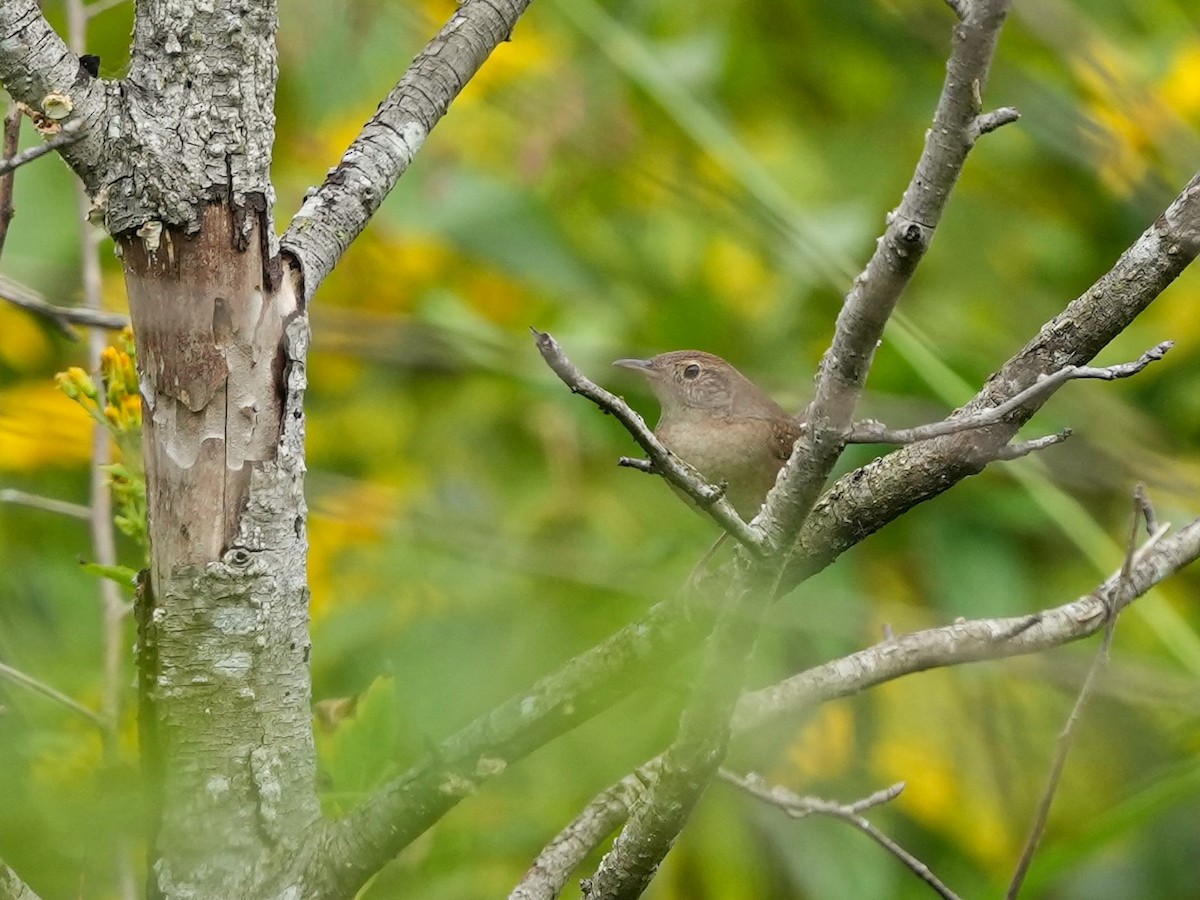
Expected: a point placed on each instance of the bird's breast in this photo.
(737, 451)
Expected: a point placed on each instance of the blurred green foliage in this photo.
(638, 177)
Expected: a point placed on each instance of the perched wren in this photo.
(719, 422)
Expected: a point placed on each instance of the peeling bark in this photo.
(223, 379)
(210, 347)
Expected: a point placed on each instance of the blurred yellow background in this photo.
(640, 177)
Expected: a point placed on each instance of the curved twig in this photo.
(70, 133)
(16, 676)
(63, 317)
(798, 807)
(1067, 735)
(871, 432)
(709, 497)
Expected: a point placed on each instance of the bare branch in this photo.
(350, 850)
(973, 640)
(1024, 448)
(962, 642)
(865, 500)
(875, 292)
(11, 140)
(870, 432)
(49, 504)
(334, 214)
(986, 123)
(70, 133)
(601, 817)
(694, 756)
(62, 316)
(16, 676)
(1099, 661)
(11, 885)
(709, 498)
(798, 807)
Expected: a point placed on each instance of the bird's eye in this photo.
(691, 371)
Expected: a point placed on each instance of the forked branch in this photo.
(799, 807)
(708, 497)
(871, 432)
(957, 644)
(876, 291)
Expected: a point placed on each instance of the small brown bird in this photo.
(719, 422)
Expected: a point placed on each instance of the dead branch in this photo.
(798, 807)
(1099, 661)
(708, 497)
(70, 133)
(63, 317)
(877, 289)
(871, 432)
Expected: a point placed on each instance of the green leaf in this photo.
(360, 751)
(122, 575)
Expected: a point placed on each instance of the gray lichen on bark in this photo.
(232, 689)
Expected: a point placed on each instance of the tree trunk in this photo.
(223, 643)
(225, 633)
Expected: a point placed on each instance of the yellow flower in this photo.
(131, 411)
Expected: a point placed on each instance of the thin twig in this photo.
(70, 133)
(11, 140)
(870, 432)
(634, 462)
(16, 676)
(49, 504)
(1024, 448)
(1142, 499)
(893, 658)
(708, 497)
(801, 807)
(62, 316)
(601, 817)
(1067, 735)
(987, 122)
(113, 608)
(92, 10)
(798, 807)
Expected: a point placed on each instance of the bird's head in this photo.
(685, 380)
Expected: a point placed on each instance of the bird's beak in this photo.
(638, 365)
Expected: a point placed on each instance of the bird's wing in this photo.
(784, 433)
